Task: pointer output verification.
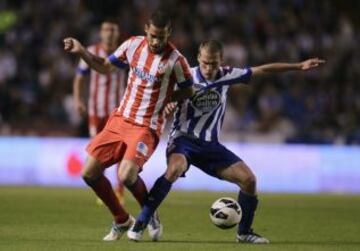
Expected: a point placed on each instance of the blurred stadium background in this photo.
(299, 132)
(319, 109)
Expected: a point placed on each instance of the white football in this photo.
(225, 213)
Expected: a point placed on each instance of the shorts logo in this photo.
(142, 148)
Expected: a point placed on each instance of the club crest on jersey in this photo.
(142, 148)
(206, 101)
(162, 68)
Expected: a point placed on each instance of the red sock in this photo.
(138, 189)
(104, 191)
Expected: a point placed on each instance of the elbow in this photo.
(186, 94)
(105, 72)
(189, 93)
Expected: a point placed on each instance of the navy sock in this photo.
(248, 204)
(156, 195)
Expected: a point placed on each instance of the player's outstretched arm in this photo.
(101, 65)
(284, 67)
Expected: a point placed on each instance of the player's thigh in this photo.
(92, 168)
(238, 173)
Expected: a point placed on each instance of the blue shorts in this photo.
(207, 156)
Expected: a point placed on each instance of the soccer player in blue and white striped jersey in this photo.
(195, 132)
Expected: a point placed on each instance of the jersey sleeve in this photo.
(119, 57)
(232, 76)
(238, 75)
(182, 73)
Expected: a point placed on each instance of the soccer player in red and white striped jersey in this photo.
(152, 79)
(105, 89)
(158, 74)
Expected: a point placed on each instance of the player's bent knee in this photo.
(177, 166)
(173, 174)
(92, 170)
(249, 183)
(90, 181)
(128, 172)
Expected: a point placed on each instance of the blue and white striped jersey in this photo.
(202, 115)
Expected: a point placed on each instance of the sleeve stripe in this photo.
(117, 62)
(182, 73)
(83, 71)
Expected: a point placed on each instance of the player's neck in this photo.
(211, 79)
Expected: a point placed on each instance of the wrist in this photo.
(82, 51)
(299, 66)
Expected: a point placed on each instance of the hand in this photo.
(311, 63)
(72, 45)
(169, 109)
(80, 108)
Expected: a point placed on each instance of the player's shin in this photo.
(157, 194)
(248, 204)
(103, 189)
(138, 190)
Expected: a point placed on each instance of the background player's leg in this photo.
(241, 175)
(177, 165)
(93, 175)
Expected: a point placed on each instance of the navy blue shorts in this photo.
(207, 156)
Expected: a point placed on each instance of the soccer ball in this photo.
(225, 213)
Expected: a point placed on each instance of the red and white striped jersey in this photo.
(106, 90)
(152, 79)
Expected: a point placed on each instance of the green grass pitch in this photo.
(68, 219)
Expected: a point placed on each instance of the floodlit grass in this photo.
(68, 219)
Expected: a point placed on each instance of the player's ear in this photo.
(146, 28)
(198, 57)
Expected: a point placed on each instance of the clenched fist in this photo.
(72, 45)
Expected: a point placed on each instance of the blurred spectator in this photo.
(321, 106)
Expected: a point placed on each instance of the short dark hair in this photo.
(213, 46)
(160, 19)
(111, 20)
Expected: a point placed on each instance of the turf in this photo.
(68, 219)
